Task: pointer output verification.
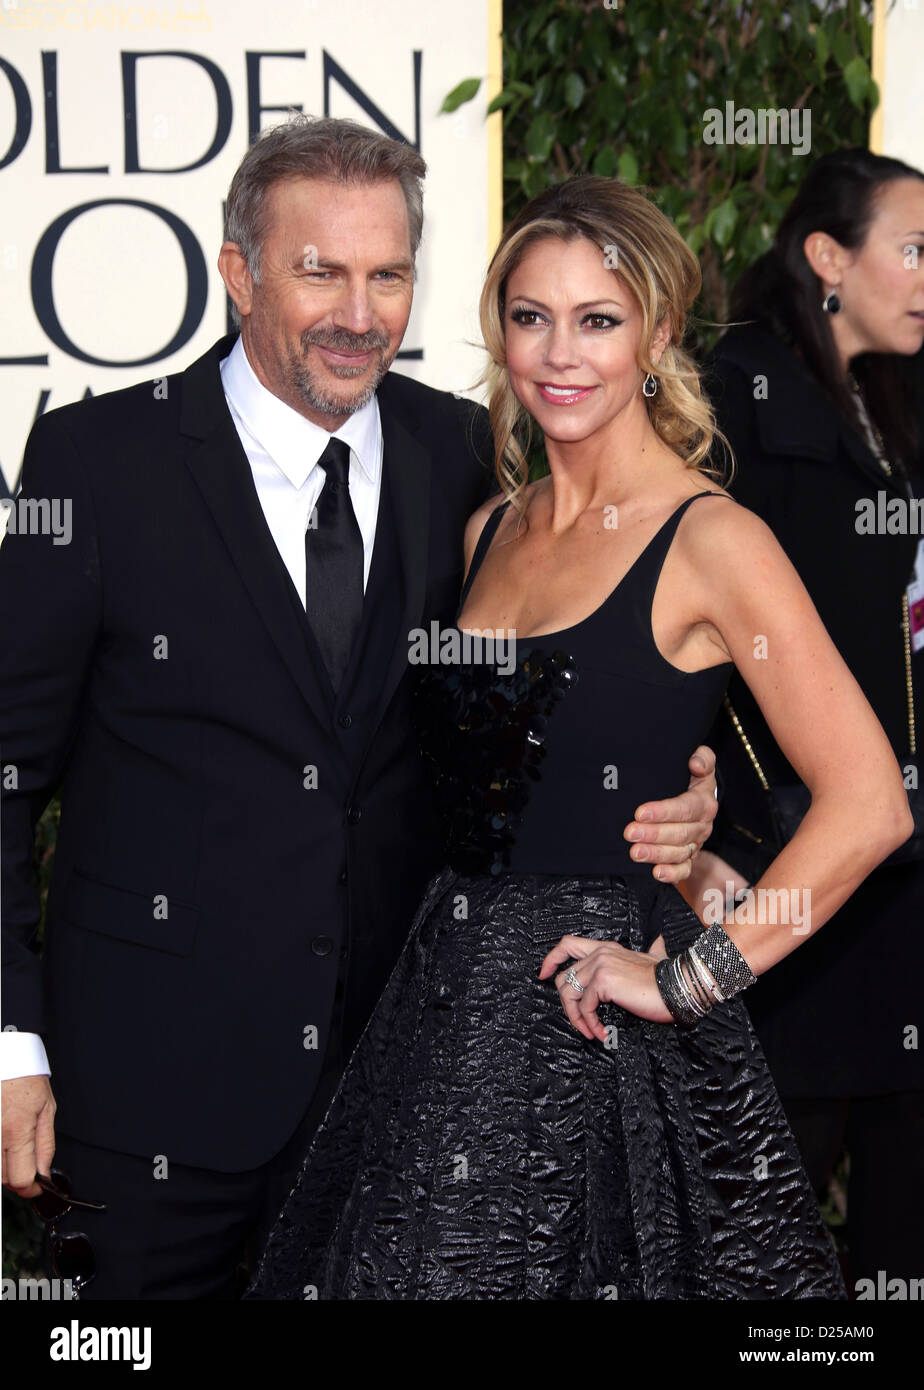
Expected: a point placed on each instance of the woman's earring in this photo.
(650, 386)
(831, 303)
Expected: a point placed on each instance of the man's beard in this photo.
(323, 398)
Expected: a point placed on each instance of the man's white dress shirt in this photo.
(283, 449)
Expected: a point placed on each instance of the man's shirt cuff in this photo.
(22, 1054)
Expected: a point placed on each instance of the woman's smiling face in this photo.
(573, 330)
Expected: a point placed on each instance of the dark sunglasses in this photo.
(71, 1253)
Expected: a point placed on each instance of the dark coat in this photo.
(202, 887)
(831, 1014)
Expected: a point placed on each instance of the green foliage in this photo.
(22, 1240)
(460, 95)
(623, 91)
(46, 838)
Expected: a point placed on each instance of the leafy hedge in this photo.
(594, 88)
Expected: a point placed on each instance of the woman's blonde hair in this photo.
(651, 258)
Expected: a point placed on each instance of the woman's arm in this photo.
(764, 618)
(755, 609)
(710, 875)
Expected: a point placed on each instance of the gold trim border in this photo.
(495, 81)
(878, 71)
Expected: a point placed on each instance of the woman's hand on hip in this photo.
(608, 973)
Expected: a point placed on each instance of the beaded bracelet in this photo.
(725, 963)
(706, 973)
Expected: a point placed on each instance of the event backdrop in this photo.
(120, 128)
(898, 69)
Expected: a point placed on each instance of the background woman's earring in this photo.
(650, 386)
(831, 303)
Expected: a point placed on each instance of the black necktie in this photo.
(334, 564)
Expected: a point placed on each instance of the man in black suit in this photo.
(215, 671)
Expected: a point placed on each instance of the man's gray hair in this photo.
(309, 147)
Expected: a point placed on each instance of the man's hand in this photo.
(28, 1132)
(666, 830)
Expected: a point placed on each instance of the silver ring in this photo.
(572, 980)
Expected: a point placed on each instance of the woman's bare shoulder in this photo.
(725, 535)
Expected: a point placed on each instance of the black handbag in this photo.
(788, 802)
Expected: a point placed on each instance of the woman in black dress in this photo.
(559, 1094)
(815, 391)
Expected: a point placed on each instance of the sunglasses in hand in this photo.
(72, 1257)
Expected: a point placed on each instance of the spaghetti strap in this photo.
(646, 571)
(707, 492)
(484, 541)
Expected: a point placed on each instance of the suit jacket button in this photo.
(353, 814)
(343, 874)
(345, 721)
(322, 945)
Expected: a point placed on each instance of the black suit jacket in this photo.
(161, 670)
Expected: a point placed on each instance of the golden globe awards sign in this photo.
(120, 128)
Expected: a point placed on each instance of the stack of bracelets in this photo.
(706, 973)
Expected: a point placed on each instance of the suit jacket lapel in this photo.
(409, 464)
(222, 473)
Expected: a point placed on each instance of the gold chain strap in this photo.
(747, 745)
(909, 689)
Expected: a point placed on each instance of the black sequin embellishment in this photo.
(483, 737)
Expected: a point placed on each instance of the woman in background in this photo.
(813, 394)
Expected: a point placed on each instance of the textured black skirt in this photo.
(478, 1147)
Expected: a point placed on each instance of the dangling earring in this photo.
(650, 386)
(831, 303)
